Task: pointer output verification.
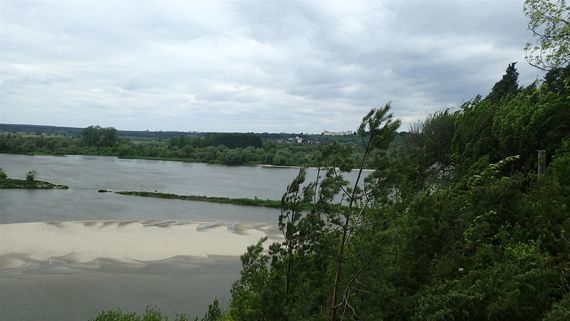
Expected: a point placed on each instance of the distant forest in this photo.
(281, 149)
(150, 135)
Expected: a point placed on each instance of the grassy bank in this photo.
(213, 199)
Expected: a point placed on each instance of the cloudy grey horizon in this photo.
(250, 66)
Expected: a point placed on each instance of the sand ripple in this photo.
(120, 241)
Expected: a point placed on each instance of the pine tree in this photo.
(509, 84)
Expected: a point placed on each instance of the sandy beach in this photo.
(131, 242)
(178, 267)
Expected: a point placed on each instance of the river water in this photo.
(59, 290)
(85, 175)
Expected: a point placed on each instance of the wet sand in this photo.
(73, 270)
(60, 293)
(135, 242)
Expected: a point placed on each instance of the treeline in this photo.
(147, 135)
(208, 149)
(99, 137)
(40, 130)
(230, 140)
(76, 131)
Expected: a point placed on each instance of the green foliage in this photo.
(31, 176)
(99, 137)
(534, 118)
(3, 175)
(450, 226)
(557, 81)
(491, 172)
(560, 167)
(293, 281)
(232, 140)
(10, 183)
(514, 288)
(508, 85)
(550, 24)
(560, 310)
(229, 140)
(430, 143)
(214, 312)
(151, 314)
(213, 199)
(474, 138)
(537, 118)
(248, 293)
(270, 153)
(437, 134)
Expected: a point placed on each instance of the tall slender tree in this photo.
(377, 130)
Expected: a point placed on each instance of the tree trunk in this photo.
(342, 245)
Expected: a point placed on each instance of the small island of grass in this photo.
(29, 183)
(213, 199)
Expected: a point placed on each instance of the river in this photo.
(69, 254)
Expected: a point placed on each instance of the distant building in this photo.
(345, 133)
(297, 139)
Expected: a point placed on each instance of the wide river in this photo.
(69, 254)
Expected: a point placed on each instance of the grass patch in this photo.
(10, 183)
(213, 199)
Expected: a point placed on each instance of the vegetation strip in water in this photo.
(213, 199)
(10, 183)
(29, 183)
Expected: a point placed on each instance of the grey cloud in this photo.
(250, 66)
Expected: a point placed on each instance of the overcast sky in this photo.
(262, 66)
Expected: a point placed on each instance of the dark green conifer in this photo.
(508, 85)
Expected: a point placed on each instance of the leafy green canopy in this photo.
(99, 136)
(550, 24)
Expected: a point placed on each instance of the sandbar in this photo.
(131, 242)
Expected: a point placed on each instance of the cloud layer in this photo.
(274, 66)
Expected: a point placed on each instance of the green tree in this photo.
(429, 148)
(98, 136)
(508, 85)
(150, 314)
(214, 312)
(249, 291)
(31, 176)
(550, 24)
(377, 130)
